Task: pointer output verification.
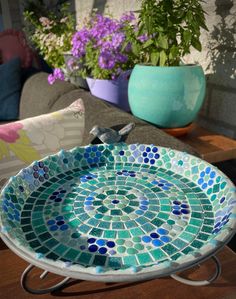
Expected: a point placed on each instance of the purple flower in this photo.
(117, 40)
(51, 79)
(106, 61)
(128, 17)
(143, 38)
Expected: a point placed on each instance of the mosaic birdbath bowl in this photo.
(118, 212)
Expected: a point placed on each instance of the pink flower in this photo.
(8, 132)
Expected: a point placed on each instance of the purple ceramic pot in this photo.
(113, 91)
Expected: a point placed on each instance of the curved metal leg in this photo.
(42, 276)
(201, 282)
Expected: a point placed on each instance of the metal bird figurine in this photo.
(108, 135)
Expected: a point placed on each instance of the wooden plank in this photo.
(211, 146)
(11, 267)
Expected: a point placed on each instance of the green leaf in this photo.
(135, 49)
(155, 57)
(163, 58)
(147, 43)
(163, 42)
(196, 44)
(187, 36)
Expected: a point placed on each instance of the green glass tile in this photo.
(84, 228)
(165, 208)
(187, 237)
(148, 227)
(197, 244)
(99, 260)
(131, 196)
(134, 203)
(150, 215)
(51, 243)
(118, 225)
(130, 224)
(141, 220)
(40, 229)
(42, 250)
(74, 223)
(144, 258)
(179, 243)
(157, 222)
(83, 217)
(123, 234)
(187, 250)
(93, 222)
(72, 254)
(196, 222)
(101, 196)
(60, 249)
(52, 256)
(45, 236)
(192, 229)
(209, 221)
(207, 229)
(25, 221)
(158, 254)
(169, 249)
(34, 244)
(130, 260)
(96, 232)
(163, 216)
(104, 224)
(203, 237)
(176, 256)
(30, 236)
(115, 262)
(197, 215)
(122, 192)
(136, 232)
(115, 212)
(85, 258)
(67, 208)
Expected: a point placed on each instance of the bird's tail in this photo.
(128, 128)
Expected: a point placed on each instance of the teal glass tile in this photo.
(130, 260)
(163, 216)
(115, 262)
(104, 224)
(40, 229)
(84, 228)
(130, 224)
(136, 232)
(110, 234)
(148, 227)
(157, 222)
(207, 229)
(60, 249)
(72, 254)
(85, 258)
(187, 250)
(197, 244)
(179, 243)
(124, 234)
(203, 237)
(187, 237)
(141, 220)
(99, 260)
(96, 232)
(169, 249)
(144, 258)
(192, 229)
(118, 225)
(51, 243)
(158, 254)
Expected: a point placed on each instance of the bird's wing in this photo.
(126, 129)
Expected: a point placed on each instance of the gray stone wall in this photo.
(218, 57)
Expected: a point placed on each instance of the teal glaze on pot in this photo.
(168, 97)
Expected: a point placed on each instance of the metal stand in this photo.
(201, 282)
(65, 280)
(42, 276)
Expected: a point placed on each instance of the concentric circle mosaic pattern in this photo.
(118, 207)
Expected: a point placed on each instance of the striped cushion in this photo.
(25, 141)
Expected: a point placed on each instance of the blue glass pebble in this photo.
(185, 211)
(146, 239)
(91, 240)
(64, 227)
(93, 248)
(53, 227)
(162, 231)
(176, 212)
(102, 250)
(154, 235)
(157, 243)
(101, 242)
(111, 244)
(165, 239)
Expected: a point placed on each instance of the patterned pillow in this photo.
(25, 141)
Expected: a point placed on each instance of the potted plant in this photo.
(50, 30)
(99, 55)
(162, 90)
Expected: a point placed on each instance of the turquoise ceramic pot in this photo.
(168, 97)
